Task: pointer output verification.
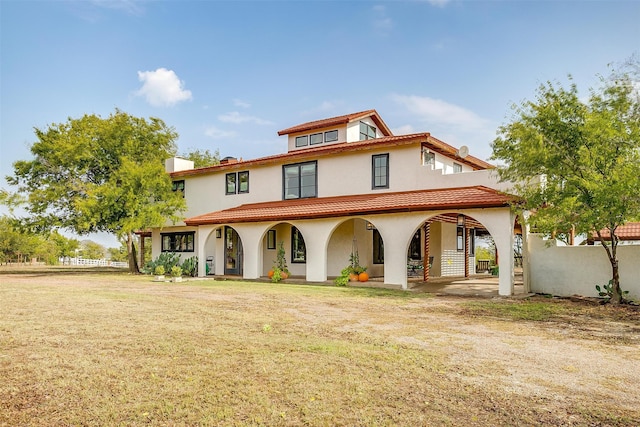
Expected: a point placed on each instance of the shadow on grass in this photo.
(41, 271)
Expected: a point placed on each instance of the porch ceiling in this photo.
(364, 204)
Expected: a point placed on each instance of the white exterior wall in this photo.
(576, 270)
(206, 193)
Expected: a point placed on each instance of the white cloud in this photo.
(438, 3)
(241, 103)
(215, 133)
(381, 22)
(131, 7)
(238, 118)
(404, 130)
(449, 122)
(437, 111)
(162, 88)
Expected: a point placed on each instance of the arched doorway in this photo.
(233, 252)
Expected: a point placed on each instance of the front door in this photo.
(233, 252)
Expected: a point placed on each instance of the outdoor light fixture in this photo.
(461, 220)
(370, 226)
(218, 233)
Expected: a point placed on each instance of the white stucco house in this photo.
(405, 201)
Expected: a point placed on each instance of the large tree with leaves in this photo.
(100, 174)
(577, 163)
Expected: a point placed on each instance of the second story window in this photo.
(428, 159)
(237, 182)
(300, 181)
(178, 186)
(380, 171)
(367, 131)
(457, 168)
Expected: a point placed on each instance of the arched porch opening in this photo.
(355, 234)
(447, 245)
(291, 239)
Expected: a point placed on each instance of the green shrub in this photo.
(190, 266)
(176, 271)
(167, 260)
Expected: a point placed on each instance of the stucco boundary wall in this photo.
(576, 270)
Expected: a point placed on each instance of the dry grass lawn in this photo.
(95, 348)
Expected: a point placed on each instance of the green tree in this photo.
(202, 158)
(92, 250)
(93, 174)
(66, 247)
(577, 163)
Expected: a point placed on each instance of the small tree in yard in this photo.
(577, 163)
(93, 174)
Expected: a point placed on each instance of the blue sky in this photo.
(229, 74)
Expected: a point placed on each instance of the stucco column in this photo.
(203, 234)
(504, 246)
(251, 236)
(425, 261)
(316, 239)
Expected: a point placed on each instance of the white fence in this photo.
(576, 270)
(97, 263)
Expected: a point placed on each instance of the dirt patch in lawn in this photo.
(114, 349)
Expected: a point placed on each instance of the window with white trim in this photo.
(457, 168)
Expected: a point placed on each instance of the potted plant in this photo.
(159, 272)
(279, 270)
(356, 271)
(176, 273)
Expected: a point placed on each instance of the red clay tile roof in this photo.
(629, 231)
(331, 149)
(326, 207)
(340, 120)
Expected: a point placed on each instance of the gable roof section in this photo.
(380, 203)
(332, 149)
(340, 120)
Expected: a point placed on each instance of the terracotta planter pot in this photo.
(353, 277)
(284, 275)
(363, 277)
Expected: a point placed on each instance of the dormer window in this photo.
(367, 131)
(302, 141)
(330, 136)
(316, 138)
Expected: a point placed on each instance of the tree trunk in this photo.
(131, 250)
(612, 253)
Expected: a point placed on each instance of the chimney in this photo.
(228, 160)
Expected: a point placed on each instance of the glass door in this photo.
(233, 252)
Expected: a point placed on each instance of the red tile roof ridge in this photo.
(361, 204)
